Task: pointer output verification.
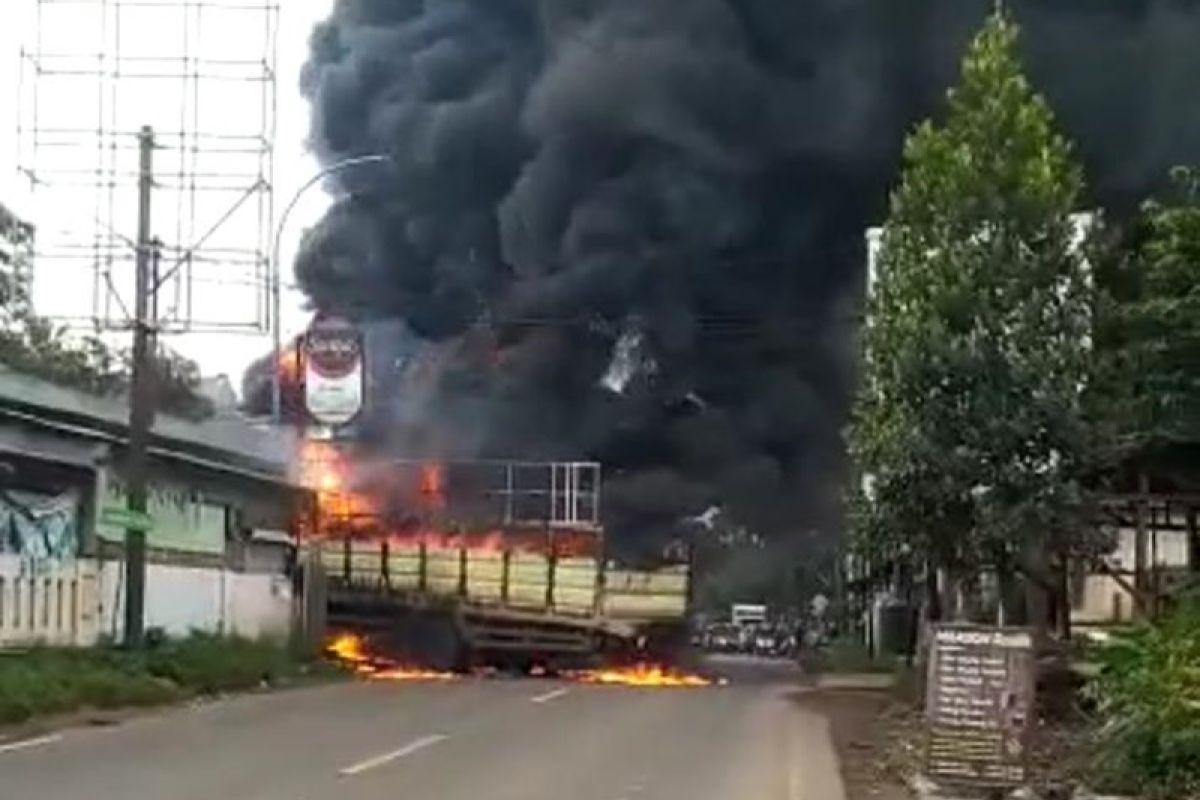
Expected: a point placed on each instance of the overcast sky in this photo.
(228, 354)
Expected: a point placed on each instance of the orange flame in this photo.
(351, 650)
(352, 503)
(347, 648)
(321, 466)
(642, 675)
(432, 479)
(324, 470)
(410, 674)
(289, 366)
(492, 543)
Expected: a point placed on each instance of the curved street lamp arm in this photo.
(276, 271)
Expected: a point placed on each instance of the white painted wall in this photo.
(80, 602)
(258, 605)
(184, 599)
(1104, 599)
(1168, 548)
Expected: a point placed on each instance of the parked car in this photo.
(763, 642)
(722, 638)
(773, 642)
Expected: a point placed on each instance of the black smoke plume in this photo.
(631, 230)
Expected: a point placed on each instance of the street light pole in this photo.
(277, 273)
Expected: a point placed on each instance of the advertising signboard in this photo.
(333, 371)
(979, 705)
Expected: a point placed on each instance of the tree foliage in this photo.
(970, 422)
(34, 345)
(1161, 321)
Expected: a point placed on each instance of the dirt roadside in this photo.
(869, 728)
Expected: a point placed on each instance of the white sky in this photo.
(216, 353)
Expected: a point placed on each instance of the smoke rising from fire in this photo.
(631, 230)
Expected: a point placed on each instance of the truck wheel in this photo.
(443, 646)
(429, 641)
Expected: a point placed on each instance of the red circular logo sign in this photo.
(333, 348)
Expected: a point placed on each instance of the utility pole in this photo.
(141, 407)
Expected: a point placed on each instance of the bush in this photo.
(1148, 697)
(48, 681)
(208, 664)
(55, 681)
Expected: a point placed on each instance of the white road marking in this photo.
(548, 696)
(28, 743)
(386, 758)
(794, 784)
(794, 791)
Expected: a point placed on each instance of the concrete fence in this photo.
(55, 605)
(77, 603)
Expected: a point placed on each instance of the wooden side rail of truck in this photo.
(455, 604)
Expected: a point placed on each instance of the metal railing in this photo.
(555, 494)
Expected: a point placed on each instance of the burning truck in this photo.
(460, 565)
(454, 564)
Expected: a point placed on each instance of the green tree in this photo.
(970, 422)
(1161, 323)
(36, 346)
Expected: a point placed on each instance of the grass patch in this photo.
(205, 664)
(51, 681)
(848, 656)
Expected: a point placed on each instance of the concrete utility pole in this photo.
(141, 407)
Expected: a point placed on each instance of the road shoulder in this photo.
(865, 724)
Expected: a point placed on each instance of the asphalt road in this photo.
(476, 739)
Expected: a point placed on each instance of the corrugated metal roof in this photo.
(220, 439)
(45, 447)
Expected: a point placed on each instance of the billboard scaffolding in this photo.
(202, 74)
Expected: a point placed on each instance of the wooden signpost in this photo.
(980, 705)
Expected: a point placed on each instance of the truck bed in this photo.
(518, 581)
(516, 601)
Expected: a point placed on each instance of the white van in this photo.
(745, 614)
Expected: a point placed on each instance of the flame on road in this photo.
(410, 674)
(351, 650)
(642, 675)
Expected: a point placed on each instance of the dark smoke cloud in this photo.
(631, 229)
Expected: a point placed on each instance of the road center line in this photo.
(25, 744)
(387, 758)
(548, 696)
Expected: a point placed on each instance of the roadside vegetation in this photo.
(972, 422)
(34, 345)
(847, 655)
(41, 682)
(1021, 361)
(1148, 697)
